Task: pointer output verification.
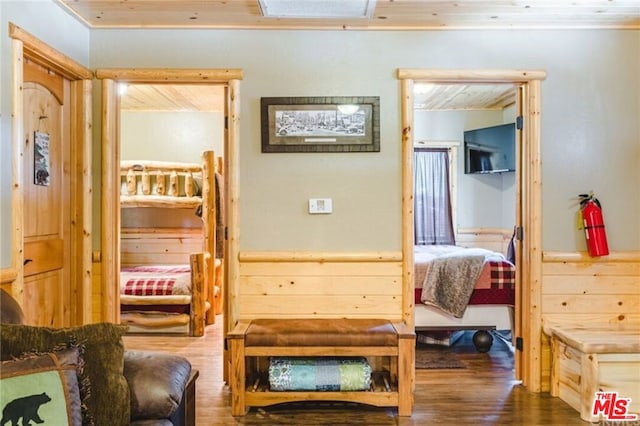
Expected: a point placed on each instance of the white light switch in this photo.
(320, 205)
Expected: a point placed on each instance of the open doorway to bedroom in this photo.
(527, 196)
(171, 205)
(464, 191)
(229, 81)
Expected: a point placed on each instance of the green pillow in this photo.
(41, 388)
(108, 403)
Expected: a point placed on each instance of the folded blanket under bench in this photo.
(319, 374)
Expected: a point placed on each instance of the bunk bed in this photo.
(459, 288)
(171, 278)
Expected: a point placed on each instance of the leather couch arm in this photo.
(156, 381)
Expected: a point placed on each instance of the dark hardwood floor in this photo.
(483, 393)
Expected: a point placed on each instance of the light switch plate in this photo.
(320, 206)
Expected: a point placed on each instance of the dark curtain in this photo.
(433, 223)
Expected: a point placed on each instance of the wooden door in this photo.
(47, 194)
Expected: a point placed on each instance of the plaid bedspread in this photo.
(155, 280)
(495, 284)
(503, 274)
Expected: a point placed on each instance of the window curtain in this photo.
(433, 223)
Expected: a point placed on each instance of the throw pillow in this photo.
(41, 388)
(108, 403)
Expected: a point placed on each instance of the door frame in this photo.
(528, 199)
(25, 45)
(110, 198)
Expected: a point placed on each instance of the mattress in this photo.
(319, 374)
(155, 280)
(495, 284)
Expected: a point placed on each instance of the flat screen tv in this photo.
(490, 149)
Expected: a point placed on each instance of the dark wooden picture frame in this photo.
(321, 124)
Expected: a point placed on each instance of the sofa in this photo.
(102, 384)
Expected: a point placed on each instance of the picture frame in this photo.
(320, 124)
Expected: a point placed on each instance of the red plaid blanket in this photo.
(503, 275)
(155, 280)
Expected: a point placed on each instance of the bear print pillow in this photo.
(41, 389)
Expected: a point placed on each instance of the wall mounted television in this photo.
(490, 149)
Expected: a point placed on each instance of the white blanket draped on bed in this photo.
(451, 278)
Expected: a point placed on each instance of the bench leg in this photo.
(588, 384)
(406, 365)
(238, 377)
(555, 367)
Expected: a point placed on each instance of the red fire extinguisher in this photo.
(593, 225)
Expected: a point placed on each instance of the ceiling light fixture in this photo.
(317, 8)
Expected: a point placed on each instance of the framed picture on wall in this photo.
(321, 124)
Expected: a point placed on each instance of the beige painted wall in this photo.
(590, 131)
(179, 136)
(589, 127)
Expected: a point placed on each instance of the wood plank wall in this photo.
(320, 285)
(578, 289)
(156, 246)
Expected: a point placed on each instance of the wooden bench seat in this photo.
(585, 360)
(390, 345)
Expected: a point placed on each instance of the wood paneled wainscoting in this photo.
(320, 285)
(580, 290)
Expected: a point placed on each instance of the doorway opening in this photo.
(171, 206)
(229, 79)
(527, 196)
(465, 214)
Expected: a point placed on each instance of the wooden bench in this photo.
(589, 359)
(386, 345)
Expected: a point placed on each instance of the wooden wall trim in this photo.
(582, 257)
(49, 57)
(322, 257)
(17, 192)
(406, 97)
(470, 75)
(110, 197)
(166, 75)
(8, 275)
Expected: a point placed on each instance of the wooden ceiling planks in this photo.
(173, 97)
(388, 15)
(446, 97)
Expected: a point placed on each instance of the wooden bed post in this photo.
(197, 299)
(209, 222)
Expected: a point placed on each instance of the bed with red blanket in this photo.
(459, 288)
(170, 250)
(164, 298)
